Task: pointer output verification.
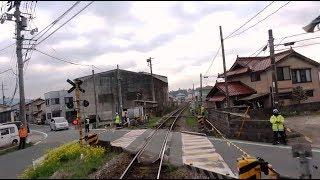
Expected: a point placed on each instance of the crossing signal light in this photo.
(85, 103)
(70, 105)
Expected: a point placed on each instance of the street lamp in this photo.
(310, 27)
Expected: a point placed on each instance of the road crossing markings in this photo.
(128, 138)
(199, 152)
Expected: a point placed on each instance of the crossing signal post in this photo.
(76, 86)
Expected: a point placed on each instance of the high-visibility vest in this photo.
(277, 122)
(23, 132)
(117, 121)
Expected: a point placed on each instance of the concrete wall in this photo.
(229, 124)
(131, 84)
(263, 86)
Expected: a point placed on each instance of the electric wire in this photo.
(249, 20)
(261, 20)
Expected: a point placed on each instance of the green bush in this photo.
(63, 157)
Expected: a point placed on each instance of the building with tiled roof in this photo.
(293, 69)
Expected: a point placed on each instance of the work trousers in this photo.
(87, 128)
(276, 137)
(22, 143)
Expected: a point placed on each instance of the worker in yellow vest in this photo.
(202, 110)
(117, 121)
(277, 121)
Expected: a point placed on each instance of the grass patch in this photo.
(66, 160)
(153, 122)
(191, 121)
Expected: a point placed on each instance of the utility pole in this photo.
(192, 91)
(224, 69)
(152, 85)
(19, 39)
(3, 97)
(119, 93)
(95, 98)
(78, 109)
(274, 70)
(200, 88)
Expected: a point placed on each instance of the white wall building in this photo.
(55, 105)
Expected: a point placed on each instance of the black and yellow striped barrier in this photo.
(91, 139)
(201, 123)
(249, 168)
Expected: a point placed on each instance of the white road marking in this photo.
(45, 136)
(199, 152)
(261, 144)
(127, 139)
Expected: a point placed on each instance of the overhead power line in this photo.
(7, 47)
(298, 46)
(249, 20)
(298, 41)
(55, 21)
(50, 26)
(295, 35)
(260, 20)
(69, 62)
(6, 70)
(212, 61)
(65, 23)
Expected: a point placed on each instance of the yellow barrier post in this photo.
(249, 168)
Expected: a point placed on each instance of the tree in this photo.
(299, 94)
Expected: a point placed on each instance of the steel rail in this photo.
(148, 140)
(166, 140)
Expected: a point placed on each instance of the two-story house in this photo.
(250, 80)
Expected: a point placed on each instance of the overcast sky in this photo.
(182, 37)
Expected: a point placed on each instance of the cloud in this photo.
(182, 37)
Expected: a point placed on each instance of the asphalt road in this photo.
(12, 164)
(280, 157)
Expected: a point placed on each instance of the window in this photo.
(55, 101)
(283, 73)
(47, 102)
(56, 113)
(301, 75)
(255, 76)
(68, 100)
(11, 130)
(48, 115)
(4, 131)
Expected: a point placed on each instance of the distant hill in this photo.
(14, 101)
(174, 93)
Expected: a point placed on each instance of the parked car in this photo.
(9, 135)
(40, 121)
(18, 124)
(57, 123)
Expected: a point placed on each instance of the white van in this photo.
(9, 135)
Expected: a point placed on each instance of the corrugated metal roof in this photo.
(235, 88)
(217, 98)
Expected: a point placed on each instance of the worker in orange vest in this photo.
(23, 133)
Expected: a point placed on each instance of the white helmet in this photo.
(275, 111)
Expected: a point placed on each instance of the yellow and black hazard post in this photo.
(91, 139)
(249, 168)
(201, 123)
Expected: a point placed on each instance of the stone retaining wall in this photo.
(229, 124)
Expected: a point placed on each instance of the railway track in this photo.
(148, 166)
